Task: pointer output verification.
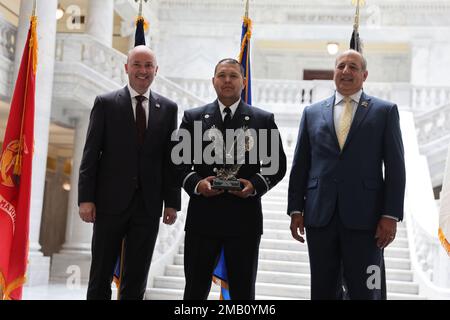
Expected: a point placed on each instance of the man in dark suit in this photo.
(229, 219)
(338, 190)
(125, 177)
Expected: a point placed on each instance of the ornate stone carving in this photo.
(7, 39)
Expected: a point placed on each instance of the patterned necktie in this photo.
(345, 121)
(141, 122)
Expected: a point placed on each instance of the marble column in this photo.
(39, 266)
(420, 61)
(100, 20)
(76, 251)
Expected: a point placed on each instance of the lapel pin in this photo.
(365, 104)
(158, 105)
(206, 116)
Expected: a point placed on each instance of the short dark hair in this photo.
(230, 61)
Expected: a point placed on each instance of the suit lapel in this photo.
(361, 112)
(242, 116)
(211, 117)
(124, 104)
(327, 112)
(154, 113)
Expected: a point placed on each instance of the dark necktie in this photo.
(227, 119)
(140, 119)
(226, 125)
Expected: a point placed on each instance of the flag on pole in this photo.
(355, 41)
(444, 230)
(139, 36)
(444, 211)
(15, 174)
(244, 59)
(220, 275)
(139, 39)
(141, 26)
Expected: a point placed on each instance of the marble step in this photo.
(274, 198)
(298, 287)
(276, 192)
(302, 257)
(294, 246)
(392, 271)
(285, 234)
(280, 206)
(275, 273)
(177, 294)
(284, 225)
(278, 214)
(404, 287)
(262, 288)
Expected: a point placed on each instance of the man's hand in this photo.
(204, 188)
(386, 231)
(297, 224)
(247, 191)
(170, 216)
(87, 211)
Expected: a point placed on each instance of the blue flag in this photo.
(244, 59)
(139, 36)
(220, 275)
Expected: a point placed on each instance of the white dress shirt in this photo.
(233, 108)
(145, 103)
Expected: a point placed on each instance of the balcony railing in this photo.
(7, 39)
(7, 50)
(266, 93)
(109, 64)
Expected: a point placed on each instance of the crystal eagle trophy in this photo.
(226, 175)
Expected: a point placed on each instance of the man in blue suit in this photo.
(338, 190)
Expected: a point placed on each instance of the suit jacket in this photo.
(114, 165)
(322, 176)
(226, 214)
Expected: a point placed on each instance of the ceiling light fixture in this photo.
(332, 48)
(59, 12)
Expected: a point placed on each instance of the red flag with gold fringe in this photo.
(15, 175)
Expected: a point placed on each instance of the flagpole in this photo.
(356, 24)
(246, 8)
(18, 163)
(355, 42)
(140, 8)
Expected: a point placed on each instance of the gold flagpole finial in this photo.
(246, 8)
(359, 3)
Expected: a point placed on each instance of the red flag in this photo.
(15, 175)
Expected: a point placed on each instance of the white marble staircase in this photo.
(283, 271)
